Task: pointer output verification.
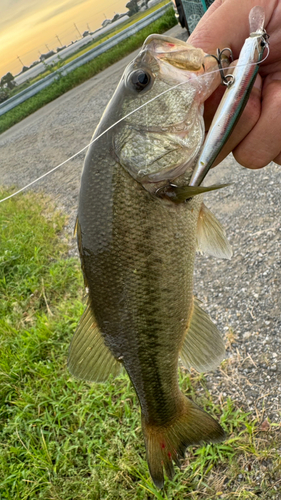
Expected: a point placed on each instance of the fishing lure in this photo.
(236, 96)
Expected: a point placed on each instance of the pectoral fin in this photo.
(89, 358)
(203, 347)
(211, 236)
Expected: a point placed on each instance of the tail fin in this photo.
(167, 444)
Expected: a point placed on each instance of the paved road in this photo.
(242, 294)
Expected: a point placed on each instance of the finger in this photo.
(262, 144)
(277, 159)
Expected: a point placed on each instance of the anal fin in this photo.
(89, 358)
(203, 346)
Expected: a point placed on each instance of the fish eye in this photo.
(140, 80)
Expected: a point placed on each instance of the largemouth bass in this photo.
(137, 247)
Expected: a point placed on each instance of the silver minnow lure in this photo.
(235, 97)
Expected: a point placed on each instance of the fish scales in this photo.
(137, 248)
(149, 253)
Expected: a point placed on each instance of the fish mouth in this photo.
(176, 53)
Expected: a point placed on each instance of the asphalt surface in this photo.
(242, 295)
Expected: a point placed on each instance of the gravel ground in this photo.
(242, 295)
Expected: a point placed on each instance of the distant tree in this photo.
(132, 7)
(4, 94)
(24, 68)
(115, 18)
(8, 80)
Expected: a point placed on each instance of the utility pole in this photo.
(59, 40)
(88, 27)
(47, 47)
(78, 30)
(20, 60)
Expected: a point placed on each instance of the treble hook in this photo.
(227, 80)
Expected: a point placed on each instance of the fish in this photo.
(236, 96)
(137, 247)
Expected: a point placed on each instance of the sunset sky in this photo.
(26, 26)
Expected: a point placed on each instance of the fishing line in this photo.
(119, 121)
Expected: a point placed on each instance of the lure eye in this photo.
(140, 80)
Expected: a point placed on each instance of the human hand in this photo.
(256, 139)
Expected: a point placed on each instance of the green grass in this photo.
(83, 73)
(62, 439)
